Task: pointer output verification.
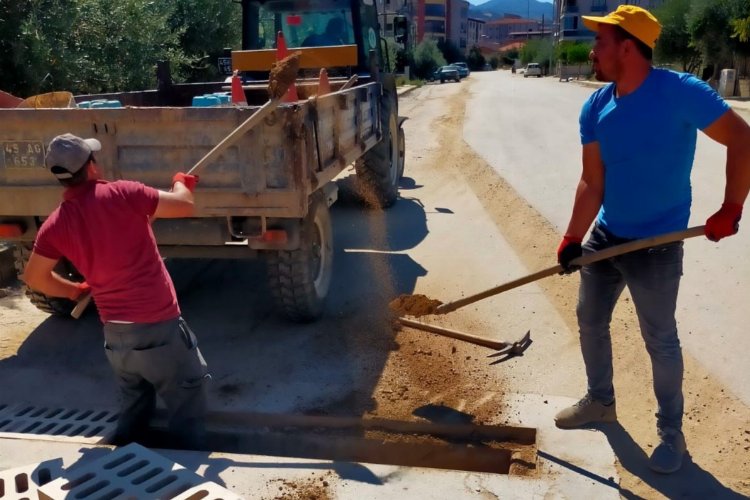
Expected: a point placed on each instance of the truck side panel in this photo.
(269, 173)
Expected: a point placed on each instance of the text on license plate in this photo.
(23, 154)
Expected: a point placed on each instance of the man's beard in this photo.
(600, 75)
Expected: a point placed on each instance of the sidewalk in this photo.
(737, 103)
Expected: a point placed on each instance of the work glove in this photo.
(725, 222)
(189, 181)
(80, 290)
(569, 249)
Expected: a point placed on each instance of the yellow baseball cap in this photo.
(635, 20)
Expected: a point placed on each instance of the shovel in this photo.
(283, 74)
(590, 258)
(511, 349)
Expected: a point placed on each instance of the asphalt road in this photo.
(527, 129)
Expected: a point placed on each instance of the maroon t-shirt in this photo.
(103, 229)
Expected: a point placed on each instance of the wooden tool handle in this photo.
(229, 140)
(349, 83)
(473, 339)
(590, 258)
(81, 306)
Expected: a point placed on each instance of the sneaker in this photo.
(667, 457)
(586, 411)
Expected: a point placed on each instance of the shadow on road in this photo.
(691, 481)
(259, 362)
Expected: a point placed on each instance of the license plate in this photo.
(23, 154)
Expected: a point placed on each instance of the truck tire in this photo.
(401, 152)
(377, 171)
(51, 305)
(300, 279)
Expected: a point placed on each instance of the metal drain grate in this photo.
(55, 423)
(22, 483)
(133, 472)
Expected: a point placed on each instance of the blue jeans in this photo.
(653, 277)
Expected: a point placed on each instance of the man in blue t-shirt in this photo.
(638, 135)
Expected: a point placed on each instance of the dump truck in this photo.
(269, 194)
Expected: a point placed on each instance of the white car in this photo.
(533, 69)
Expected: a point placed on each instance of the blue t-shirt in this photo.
(647, 142)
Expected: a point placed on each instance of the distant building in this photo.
(438, 20)
(501, 31)
(567, 14)
(458, 18)
(475, 31)
(388, 9)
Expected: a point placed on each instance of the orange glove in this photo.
(189, 181)
(79, 291)
(725, 222)
(569, 249)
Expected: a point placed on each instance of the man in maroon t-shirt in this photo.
(103, 228)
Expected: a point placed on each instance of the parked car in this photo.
(447, 73)
(533, 69)
(463, 69)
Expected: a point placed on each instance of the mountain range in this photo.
(495, 9)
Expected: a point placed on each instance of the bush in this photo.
(476, 60)
(426, 59)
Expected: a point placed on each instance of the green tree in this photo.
(206, 28)
(675, 43)
(118, 42)
(573, 52)
(476, 60)
(741, 29)
(509, 57)
(709, 25)
(427, 58)
(450, 51)
(391, 55)
(538, 51)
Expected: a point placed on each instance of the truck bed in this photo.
(270, 172)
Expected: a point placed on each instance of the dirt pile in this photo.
(283, 74)
(414, 305)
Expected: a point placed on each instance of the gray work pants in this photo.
(653, 277)
(158, 358)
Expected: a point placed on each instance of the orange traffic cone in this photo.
(238, 93)
(324, 86)
(281, 53)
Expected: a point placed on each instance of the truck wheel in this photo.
(51, 305)
(378, 170)
(300, 278)
(401, 152)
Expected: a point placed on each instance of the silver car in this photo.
(533, 69)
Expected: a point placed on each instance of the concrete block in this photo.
(7, 265)
(24, 482)
(132, 472)
(49, 423)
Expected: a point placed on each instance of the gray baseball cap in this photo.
(67, 153)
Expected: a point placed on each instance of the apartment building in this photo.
(434, 19)
(475, 32)
(502, 31)
(388, 9)
(567, 14)
(458, 20)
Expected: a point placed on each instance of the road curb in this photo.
(7, 265)
(405, 89)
